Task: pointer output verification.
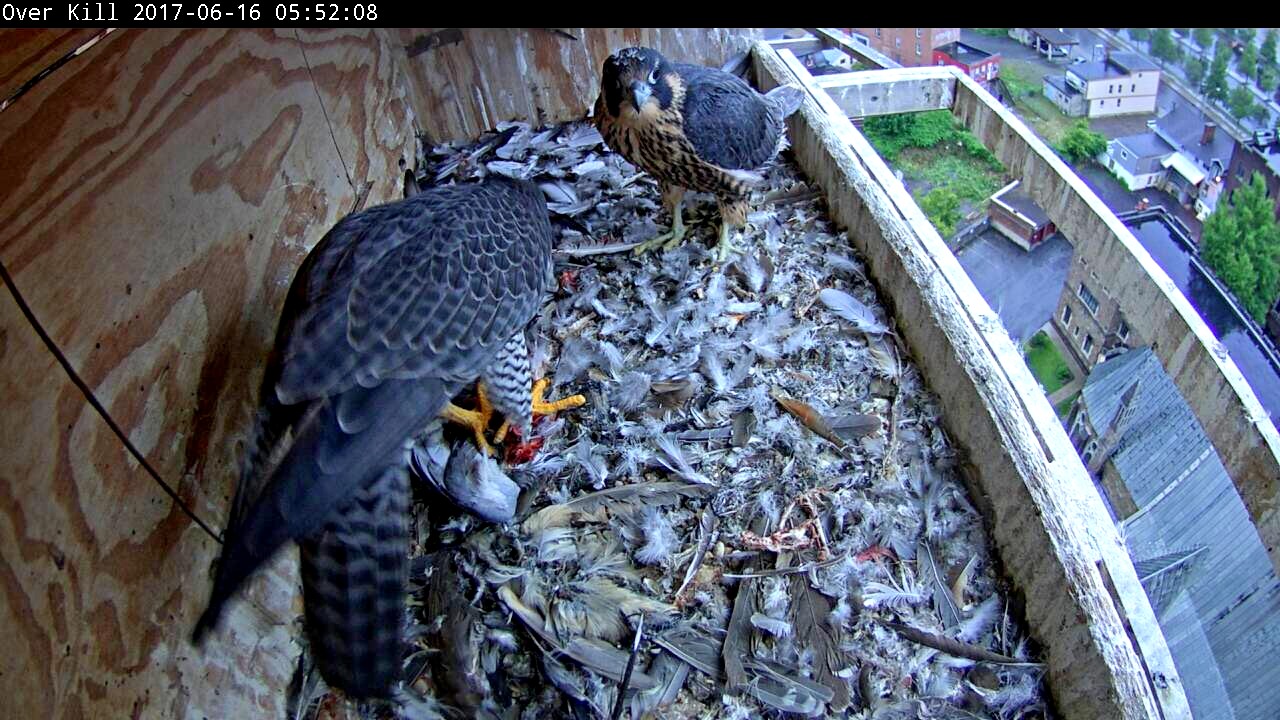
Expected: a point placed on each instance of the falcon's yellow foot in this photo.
(668, 240)
(477, 420)
(542, 407)
(726, 246)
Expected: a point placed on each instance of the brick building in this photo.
(910, 47)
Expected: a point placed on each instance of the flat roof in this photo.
(960, 51)
(1060, 82)
(1055, 36)
(1014, 199)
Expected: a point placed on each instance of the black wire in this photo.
(626, 675)
(89, 396)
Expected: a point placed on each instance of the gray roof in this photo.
(1117, 66)
(1132, 62)
(1145, 145)
(1023, 203)
(1061, 84)
(1162, 436)
(1223, 625)
(1183, 126)
(1055, 36)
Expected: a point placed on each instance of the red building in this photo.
(977, 64)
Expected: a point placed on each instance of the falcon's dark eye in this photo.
(653, 76)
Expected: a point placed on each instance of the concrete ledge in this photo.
(1207, 377)
(1055, 539)
(886, 92)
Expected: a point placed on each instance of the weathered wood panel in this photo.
(465, 81)
(159, 192)
(25, 52)
(1056, 541)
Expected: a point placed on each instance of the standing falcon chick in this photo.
(396, 310)
(692, 128)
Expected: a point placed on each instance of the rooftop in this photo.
(1145, 145)
(1183, 126)
(1117, 66)
(1020, 202)
(963, 52)
(1060, 83)
(1055, 36)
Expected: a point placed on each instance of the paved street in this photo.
(1022, 287)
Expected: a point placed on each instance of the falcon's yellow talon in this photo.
(501, 435)
(477, 420)
(542, 407)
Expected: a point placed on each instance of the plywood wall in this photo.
(465, 81)
(158, 193)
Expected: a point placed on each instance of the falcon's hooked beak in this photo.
(640, 94)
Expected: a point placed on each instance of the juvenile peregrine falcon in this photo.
(693, 128)
(396, 310)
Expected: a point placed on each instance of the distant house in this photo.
(1197, 552)
(1120, 84)
(911, 47)
(1050, 42)
(1014, 214)
(1183, 154)
(827, 62)
(1261, 155)
(976, 63)
(1137, 160)
(1066, 96)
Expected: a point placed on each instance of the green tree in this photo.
(1203, 37)
(1215, 85)
(1267, 78)
(1248, 63)
(942, 207)
(1163, 45)
(1195, 71)
(1080, 143)
(1268, 54)
(1242, 106)
(1139, 34)
(1241, 242)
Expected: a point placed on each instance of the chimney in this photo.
(1207, 136)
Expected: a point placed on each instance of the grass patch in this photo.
(946, 165)
(992, 32)
(1046, 363)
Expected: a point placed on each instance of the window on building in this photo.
(1088, 299)
(917, 47)
(1066, 314)
(1133, 88)
(1111, 89)
(1124, 155)
(1118, 101)
(1123, 330)
(1087, 344)
(897, 42)
(917, 32)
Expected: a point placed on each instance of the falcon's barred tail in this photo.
(338, 449)
(355, 574)
(786, 99)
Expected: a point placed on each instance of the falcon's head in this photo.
(636, 80)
